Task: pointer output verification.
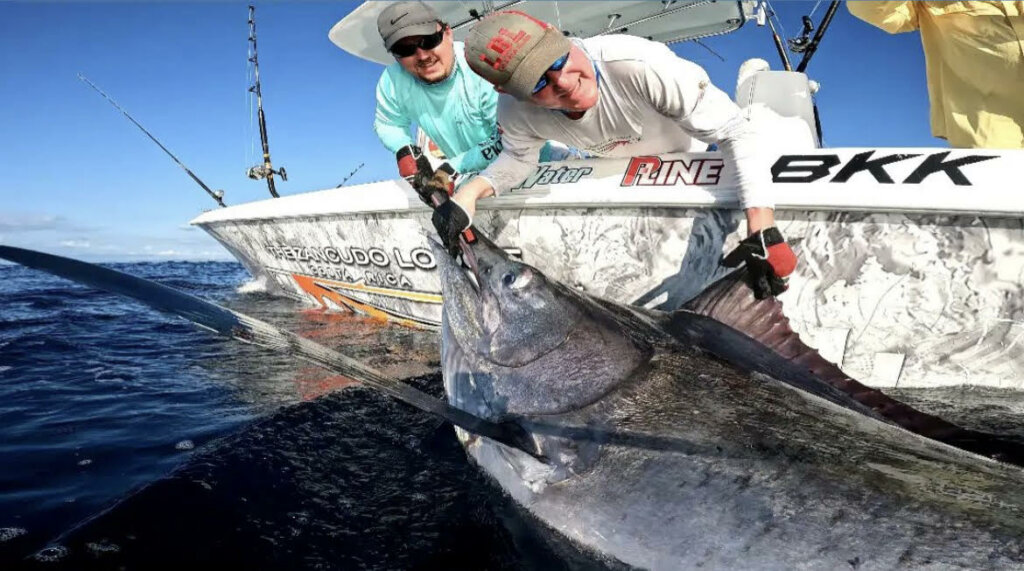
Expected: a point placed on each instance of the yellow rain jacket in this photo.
(975, 64)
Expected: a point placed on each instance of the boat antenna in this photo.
(350, 175)
(217, 195)
(812, 47)
(707, 47)
(266, 170)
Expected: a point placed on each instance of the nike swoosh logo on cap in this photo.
(399, 18)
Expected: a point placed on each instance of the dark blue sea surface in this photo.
(132, 439)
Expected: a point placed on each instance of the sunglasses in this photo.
(557, 66)
(425, 43)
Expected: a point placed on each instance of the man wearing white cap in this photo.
(613, 96)
(430, 85)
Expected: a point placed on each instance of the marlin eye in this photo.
(508, 279)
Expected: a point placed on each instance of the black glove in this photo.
(450, 220)
(769, 261)
(414, 167)
(440, 181)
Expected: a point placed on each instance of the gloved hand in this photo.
(414, 167)
(442, 180)
(769, 261)
(450, 220)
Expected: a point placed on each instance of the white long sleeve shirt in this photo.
(650, 101)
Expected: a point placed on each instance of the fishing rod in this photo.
(266, 170)
(778, 40)
(812, 46)
(217, 195)
(808, 48)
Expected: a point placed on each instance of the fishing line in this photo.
(773, 14)
(813, 10)
(247, 142)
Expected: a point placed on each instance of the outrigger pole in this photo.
(265, 170)
(217, 195)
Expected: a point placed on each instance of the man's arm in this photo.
(390, 122)
(682, 91)
(485, 113)
(520, 151)
(479, 157)
(893, 17)
(478, 187)
(517, 158)
(502, 175)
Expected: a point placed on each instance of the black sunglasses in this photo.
(425, 43)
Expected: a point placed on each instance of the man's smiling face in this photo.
(573, 88)
(430, 66)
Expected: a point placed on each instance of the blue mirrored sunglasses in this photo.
(557, 66)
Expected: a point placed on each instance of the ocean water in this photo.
(132, 439)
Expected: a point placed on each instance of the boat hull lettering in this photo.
(653, 171)
(547, 175)
(420, 257)
(810, 168)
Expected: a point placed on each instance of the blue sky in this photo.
(78, 179)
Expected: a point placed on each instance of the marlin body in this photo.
(711, 437)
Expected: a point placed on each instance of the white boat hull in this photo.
(901, 284)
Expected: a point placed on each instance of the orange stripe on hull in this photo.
(400, 294)
(313, 287)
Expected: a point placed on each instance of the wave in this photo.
(255, 285)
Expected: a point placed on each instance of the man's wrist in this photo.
(469, 193)
(759, 218)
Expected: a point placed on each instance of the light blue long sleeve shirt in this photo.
(460, 114)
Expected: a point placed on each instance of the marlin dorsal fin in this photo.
(729, 301)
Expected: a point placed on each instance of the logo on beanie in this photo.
(505, 45)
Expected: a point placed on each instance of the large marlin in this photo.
(711, 437)
(707, 437)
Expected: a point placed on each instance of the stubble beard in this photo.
(447, 73)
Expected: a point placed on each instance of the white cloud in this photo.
(24, 222)
(76, 244)
(109, 243)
